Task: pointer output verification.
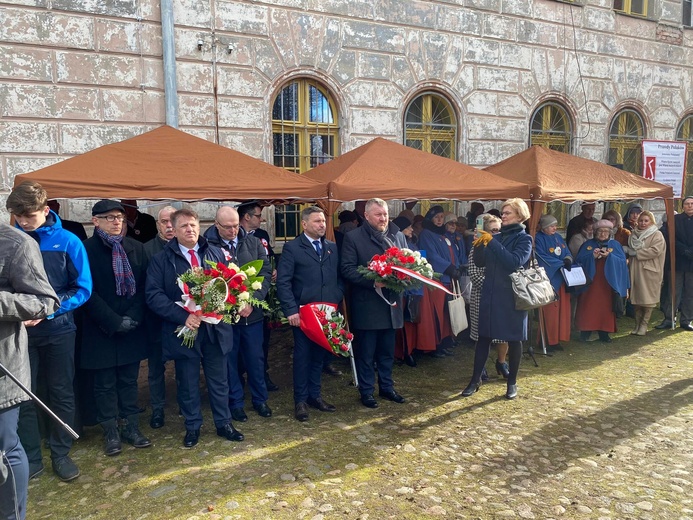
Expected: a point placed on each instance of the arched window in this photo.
(551, 127)
(625, 137)
(305, 133)
(685, 133)
(430, 125)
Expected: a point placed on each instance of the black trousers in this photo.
(115, 392)
(374, 348)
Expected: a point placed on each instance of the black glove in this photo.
(127, 324)
(567, 263)
(451, 271)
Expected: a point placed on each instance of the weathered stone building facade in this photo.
(78, 74)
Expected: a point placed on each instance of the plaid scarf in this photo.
(124, 278)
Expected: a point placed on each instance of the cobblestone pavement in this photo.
(598, 431)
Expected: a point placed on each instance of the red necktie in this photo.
(193, 258)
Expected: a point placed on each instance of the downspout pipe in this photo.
(169, 55)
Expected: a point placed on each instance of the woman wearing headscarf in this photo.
(604, 261)
(442, 256)
(457, 239)
(647, 250)
(501, 255)
(553, 254)
(492, 224)
(630, 218)
(621, 234)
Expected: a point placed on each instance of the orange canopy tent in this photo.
(553, 175)
(388, 170)
(170, 164)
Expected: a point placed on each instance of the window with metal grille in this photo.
(625, 137)
(688, 13)
(430, 125)
(636, 7)
(552, 128)
(685, 133)
(305, 134)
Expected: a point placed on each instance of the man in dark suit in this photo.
(242, 248)
(213, 342)
(155, 364)
(250, 217)
(308, 273)
(113, 342)
(373, 319)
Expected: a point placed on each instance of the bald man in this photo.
(229, 235)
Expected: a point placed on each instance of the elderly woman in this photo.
(492, 225)
(604, 262)
(621, 234)
(501, 255)
(576, 241)
(444, 258)
(553, 254)
(647, 250)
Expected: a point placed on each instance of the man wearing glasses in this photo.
(250, 216)
(155, 363)
(113, 342)
(242, 248)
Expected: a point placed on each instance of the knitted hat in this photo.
(547, 221)
(603, 223)
(434, 211)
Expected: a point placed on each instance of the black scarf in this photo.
(380, 236)
(429, 225)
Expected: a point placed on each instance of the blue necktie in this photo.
(318, 247)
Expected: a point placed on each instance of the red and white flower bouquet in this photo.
(217, 293)
(399, 269)
(324, 325)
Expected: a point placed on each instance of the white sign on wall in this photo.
(665, 162)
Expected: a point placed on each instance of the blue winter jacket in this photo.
(67, 267)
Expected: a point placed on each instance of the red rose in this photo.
(392, 251)
(221, 267)
(411, 260)
(400, 276)
(233, 284)
(322, 321)
(382, 258)
(242, 288)
(215, 273)
(207, 272)
(343, 348)
(350, 336)
(231, 299)
(342, 331)
(335, 341)
(333, 325)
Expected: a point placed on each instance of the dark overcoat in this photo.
(163, 293)
(102, 346)
(368, 311)
(303, 277)
(504, 254)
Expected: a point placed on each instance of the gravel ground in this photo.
(598, 431)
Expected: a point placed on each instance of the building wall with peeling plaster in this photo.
(75, 74)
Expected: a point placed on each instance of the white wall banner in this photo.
(665, 162)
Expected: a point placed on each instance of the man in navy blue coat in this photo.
(213, 342)
(373, 319)
(308, 273)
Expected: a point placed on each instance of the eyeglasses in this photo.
(258, 215)
(112, 218)
(227, 228)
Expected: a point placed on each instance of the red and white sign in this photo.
(665, 162)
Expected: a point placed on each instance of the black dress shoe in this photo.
(157, 419)
(687, 326)
(271, 387)
(238, 414)
(438, 354)
(392, 396)
(301, 411)
(191, 438)
(321, 405)
(332, 371)
(471, 388)
(409, 360)
(369, 401)
(511, 392)
(666, 324)
(230, 433)
(604, 337)
(263, 410)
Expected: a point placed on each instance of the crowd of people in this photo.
(107, 302)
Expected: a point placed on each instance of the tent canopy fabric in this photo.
(169, 164)
(388, 170)
(553, 175)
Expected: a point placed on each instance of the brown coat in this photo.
(646, 271)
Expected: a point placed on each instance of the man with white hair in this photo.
(155, 363)
(373, 319)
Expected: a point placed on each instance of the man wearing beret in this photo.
(113, 339)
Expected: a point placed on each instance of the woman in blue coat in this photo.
(501, 255)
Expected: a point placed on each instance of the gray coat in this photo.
(25, 294)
